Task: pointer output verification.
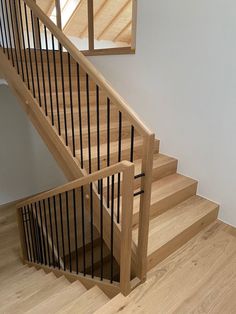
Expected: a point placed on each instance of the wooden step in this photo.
(138, 145)
(54, 303)
(166, 193)
(175, 227)
(88, 303)
(24, 292)
(162, 166)
(56, 286)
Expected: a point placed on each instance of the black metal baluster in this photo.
(80, 118)
(19, 40)
(24, 231)
(42, 234)
(2, 41)
(56, 86)
(91, 230)
(112, 225)
(68, 230)
(49, 74)
(56, 229)
(28, 41)
(14, 37)
(132, 144)
(75, 229)
(37, 251)
(23, 42)
(10, 36)
(108, 149)
(88, 122)
(71, 106)
(5, 28)
(42, 69)
(101, 228)
(83, 229)
(51, 231)
(119, 159)
(98, 132)
(62, 232)
(35, 58)
(46, 229)
(28, 232)
(32, 232)
(38, 233)
(63, 95)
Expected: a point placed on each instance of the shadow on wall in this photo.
(26, 165)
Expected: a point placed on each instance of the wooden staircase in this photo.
(28, 290)
(89, 128)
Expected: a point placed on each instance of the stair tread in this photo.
(54, 287)
(88, 303)
(55, 302)
(163, 188)
(171, 223)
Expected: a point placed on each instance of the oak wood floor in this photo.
(198, 278)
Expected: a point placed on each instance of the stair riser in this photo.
(159, 255)
(170, 201)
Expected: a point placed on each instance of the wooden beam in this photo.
(113, 20)
(105, 2)
(134, 24)
(122, 31)
(90, 25)
(66, 26)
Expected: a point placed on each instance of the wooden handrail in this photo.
(91, 70)
(106, 172)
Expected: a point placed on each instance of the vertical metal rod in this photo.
(14, 37)
(46, 229)
(51, 231)
(108, 150)
(23, 42)
(19, 40)
(62, 232)
(5, 28)
(56, 229)
(132, 144)
(38, 233)
(112, 225)
(42, 234)
(27, 232)
(91, 230)
(35, 234)
(2, 41)
(35, 58)
(83, 229)
(119, 159)
(63, 93)
(68, 230)
(31, 232)
(88, 122)
(75, 229)
(42, 68)
(98, 132)
(29, 49)
(49, 74)
(101, 228)
(71, 106)
(10, 36)
(80, 118)
(24, 231)
(56, 86)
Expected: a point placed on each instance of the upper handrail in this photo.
(96, 176)
(90, 69)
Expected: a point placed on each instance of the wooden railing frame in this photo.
(125, 167)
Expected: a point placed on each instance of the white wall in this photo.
(182, 82)
(26, 166)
